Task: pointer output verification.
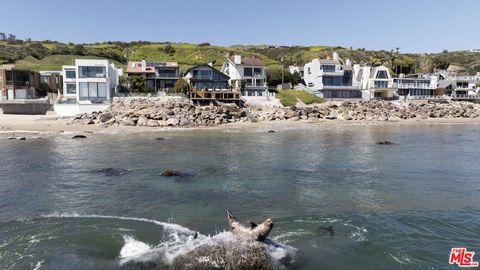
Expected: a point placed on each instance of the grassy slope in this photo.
(188, 55)
(289, 97)
(53, 62)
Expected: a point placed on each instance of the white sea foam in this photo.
(38, 265)
(133, 248)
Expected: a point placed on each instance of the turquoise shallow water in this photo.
(85, 204)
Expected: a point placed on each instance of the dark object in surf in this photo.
(170, 173)
(79, 137)
(271, 131)
(17, 138)
(329, 229)
(385, 142)
(111, 172)
(160, 139)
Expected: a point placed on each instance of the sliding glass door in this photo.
(93, 91)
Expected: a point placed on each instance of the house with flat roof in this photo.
(19, 84)
(330, 78)
(88, 86)
(21, 91)
(207, 84)
(248, 74)
(416, 87)
(160, 76)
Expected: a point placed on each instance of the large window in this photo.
(381, 84)
(71, 88)
(91, 72)
(169, 73)
(202, 74)
(382, 74)
(257, 72)
(328, 68)
(247, 72)
(332, 81)
(93, 91)
(70, 74)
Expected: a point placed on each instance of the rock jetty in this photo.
(161, 112)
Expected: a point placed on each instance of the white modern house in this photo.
(330, 78)
(252, 71)
(88, 86)
(419, 87)
(374, 82)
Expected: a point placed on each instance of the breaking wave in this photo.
(180, 241)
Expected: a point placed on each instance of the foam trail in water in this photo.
(168, 226)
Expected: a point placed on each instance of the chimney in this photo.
(237, 59)
(335, 56)
(144, 65)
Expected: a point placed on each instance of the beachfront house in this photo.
(458, 86)
(374, 82)
(330, 78)
(88, 86)
(160, 76)
(417, 87)
(90, 81)
(19, 84)
(248, 74)
(208, 84)
(21, 92)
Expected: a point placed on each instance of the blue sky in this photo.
(412, 25)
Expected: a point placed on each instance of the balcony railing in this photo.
(167, 75)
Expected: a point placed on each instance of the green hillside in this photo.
(51, 55)
(54, 62)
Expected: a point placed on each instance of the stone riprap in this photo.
(161, 112)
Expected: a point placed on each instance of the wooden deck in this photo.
(215, 95)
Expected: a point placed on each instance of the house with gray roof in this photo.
(330, 78)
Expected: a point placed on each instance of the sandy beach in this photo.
(51, 122)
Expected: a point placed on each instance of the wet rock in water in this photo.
(160, 139)
(271, 131)
(170, 173)
(385, 143)
(79, 137)
(238, 254)
(139, 265)
(328, 229)
(111, 171)
(17, 138)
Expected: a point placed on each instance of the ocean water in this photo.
(100, 202)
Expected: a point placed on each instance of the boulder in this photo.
(236, 255)
(104, 117)
(142, 121)
(172, 122)
(79, 137)
(127, 122)
(184, 122)
(332, 115)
